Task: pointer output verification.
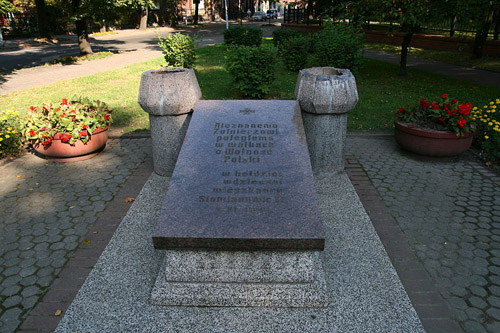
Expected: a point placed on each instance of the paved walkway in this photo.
(480, 76)
(449, 213)
(47, 210)
(208, 34)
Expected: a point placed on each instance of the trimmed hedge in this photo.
(241, 35)
(178, 50)
(339, 45)
(294, 52)
(252, 68)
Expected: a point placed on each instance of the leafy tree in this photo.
(7, 7)
(411, 14)
(484, 11)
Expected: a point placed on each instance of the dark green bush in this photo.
(240, 35)
(281, 35)
(294, 53)
(252, 68)
(339, 45)
(178, 50)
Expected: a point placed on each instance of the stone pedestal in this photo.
(241, 278)
(325, 95)
(240, 224)
(169, 96)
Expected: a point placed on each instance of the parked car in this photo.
(272, 13)
(259, 16)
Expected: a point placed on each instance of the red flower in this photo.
(73, 111)
(423, 103)
(32, 108)
(461, 122)
(451, 113)
(441, 119)
(108, 116)
(400, 110)
(454, 101)
(446, 107)
(63, 115)
(65, 137)
(83, 133)
(435, 106)
(64, 101)
(464, 109)
(32, 133)
(84, 126)
(73, 118)
(444, 96)
(47, 141)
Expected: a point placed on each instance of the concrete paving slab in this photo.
(364, 289)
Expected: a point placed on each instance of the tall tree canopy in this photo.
(7, 7)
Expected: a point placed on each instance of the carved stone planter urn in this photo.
(168, 95)
(325, 95)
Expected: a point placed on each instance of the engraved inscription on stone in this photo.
(243, 180)
(244, 146)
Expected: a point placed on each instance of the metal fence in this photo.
(449, 26)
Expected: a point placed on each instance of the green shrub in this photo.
(281, 35)
(10, 137)
(240, 35)
(294, 53)
(339, 45)
(178, 50)
(487, 136)
(252, 68)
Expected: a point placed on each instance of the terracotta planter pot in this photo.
(64, 152)
(431, 142)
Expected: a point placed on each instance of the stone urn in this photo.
(59, 151)
(326, 90)
(430, 142)
(168, 95)
(325, 95)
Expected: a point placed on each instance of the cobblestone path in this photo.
(450, 214)
(46, 209)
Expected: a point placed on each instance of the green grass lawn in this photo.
(457, 58)
(381, 90)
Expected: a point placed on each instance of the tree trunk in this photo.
(497, 23)
(42, 19)
(162, 15)
(83, 37)
(404, 51)
(453, 25)
(482, 33)
(195, 20)
(480, 39)
(144, 18)
(103, 28)
(309, 10)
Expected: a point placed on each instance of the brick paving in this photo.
(47, 211)
(449, 212)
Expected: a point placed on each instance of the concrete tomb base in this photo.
(241, 278)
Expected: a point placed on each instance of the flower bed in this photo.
(444, 114)
(10, 136)
(488, 132)
(69, 120)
